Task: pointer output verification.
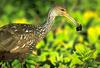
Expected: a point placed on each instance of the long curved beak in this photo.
(78, 26)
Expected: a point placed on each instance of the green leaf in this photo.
(92, 35)
(16, 64)
(8, 9)
(75, 60)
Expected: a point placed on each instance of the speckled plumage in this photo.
(17, 40)
(20, 39)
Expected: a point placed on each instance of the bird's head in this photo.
(60, 11)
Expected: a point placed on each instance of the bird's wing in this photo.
(6, 39)
(15, 38)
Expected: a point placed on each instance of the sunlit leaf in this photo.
(92, 36)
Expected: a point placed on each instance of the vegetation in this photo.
(63, 47)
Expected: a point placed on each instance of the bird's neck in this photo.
(50, 20)
(42, 30)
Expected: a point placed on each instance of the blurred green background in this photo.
(63, 47)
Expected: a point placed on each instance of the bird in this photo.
(18, 40)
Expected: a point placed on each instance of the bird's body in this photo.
(17, 40)
(13, 40)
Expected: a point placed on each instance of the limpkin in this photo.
(17, 40)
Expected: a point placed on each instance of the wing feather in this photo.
(15, 38)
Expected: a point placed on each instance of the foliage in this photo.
(62, 47)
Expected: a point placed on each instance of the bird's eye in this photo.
(62, 9)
